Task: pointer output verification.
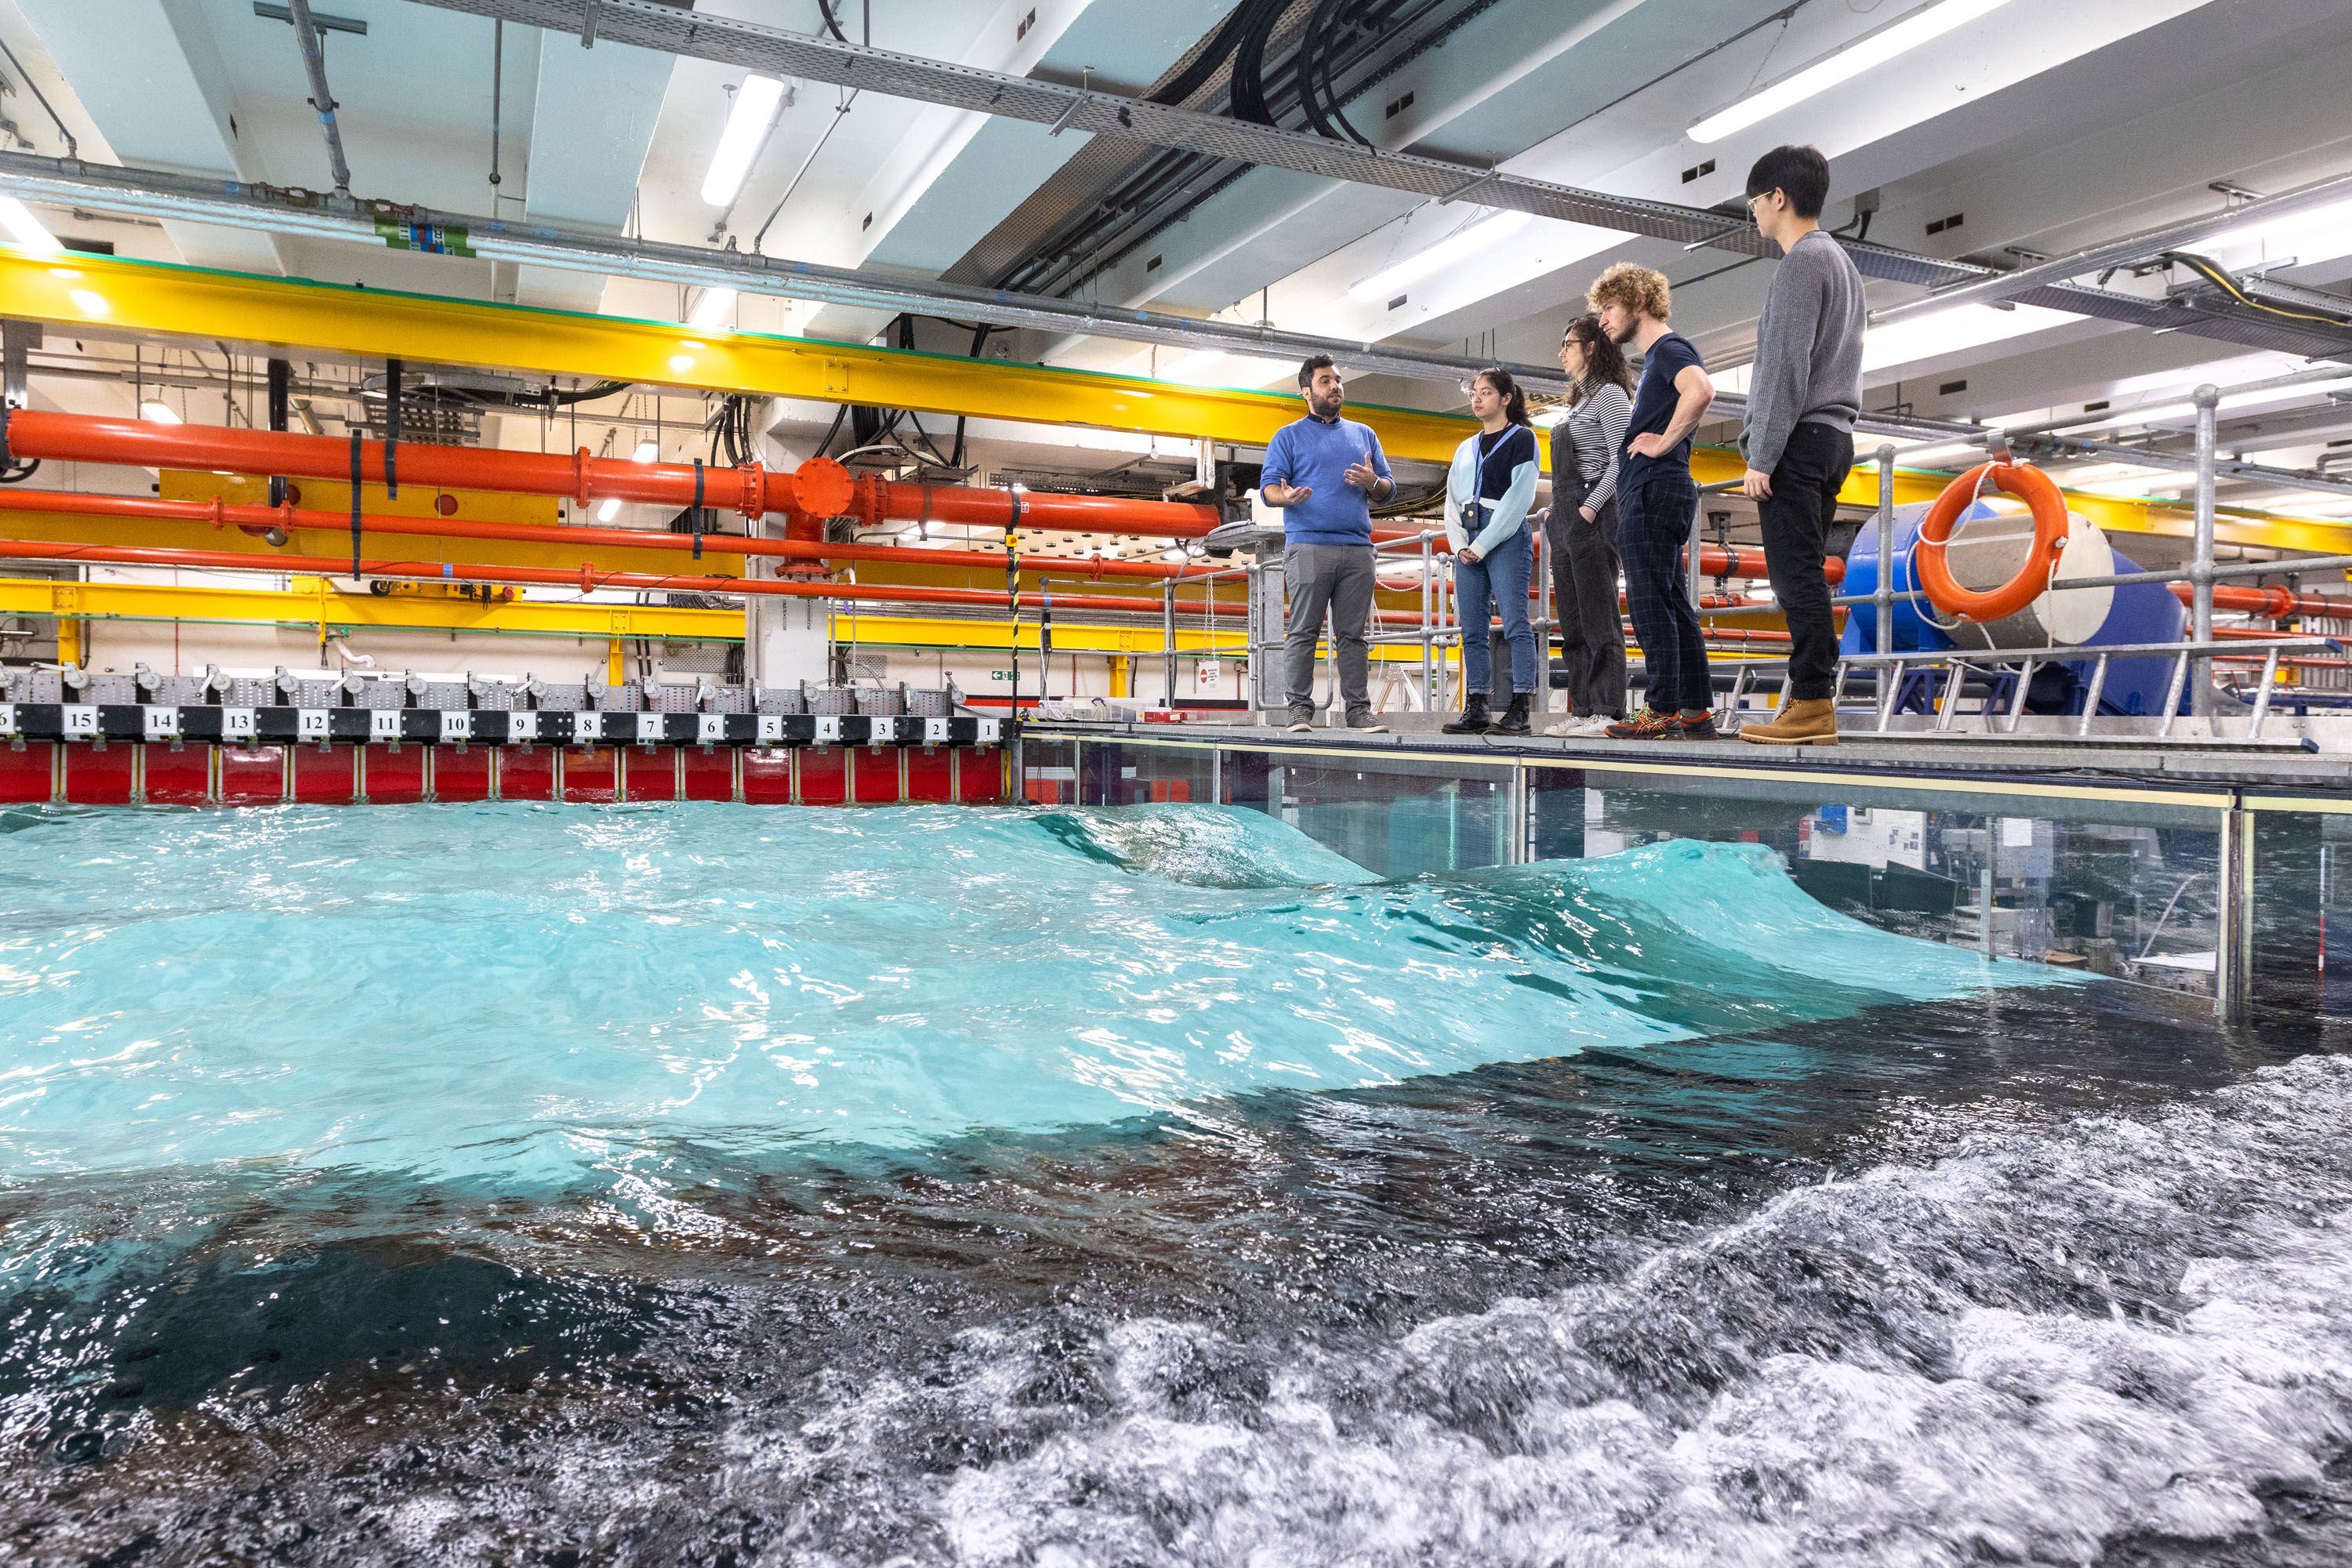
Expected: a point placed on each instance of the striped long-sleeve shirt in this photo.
(1595, 427)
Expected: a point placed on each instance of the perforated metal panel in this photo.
(301, 694)
(626, 697)
(381, 694)
(496, 696)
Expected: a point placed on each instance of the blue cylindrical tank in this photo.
(1912, 631)
(2141, 613)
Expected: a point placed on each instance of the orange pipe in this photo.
(249, 516)
(1712, 562)
(2270, 600)
(877, 501)
(819, 487)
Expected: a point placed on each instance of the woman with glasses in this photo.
(1488, 494)
(1583, 527)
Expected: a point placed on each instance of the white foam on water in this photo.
(2026, 1351)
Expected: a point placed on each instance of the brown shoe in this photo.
(1809, 722)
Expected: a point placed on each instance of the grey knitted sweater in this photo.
(1808, 365)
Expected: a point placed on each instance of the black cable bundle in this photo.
(355, 503)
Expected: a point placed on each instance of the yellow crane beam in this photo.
(149, 298)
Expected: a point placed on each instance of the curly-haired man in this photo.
(1656, 501)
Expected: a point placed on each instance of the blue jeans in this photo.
(1498, 585)
(1653, 523)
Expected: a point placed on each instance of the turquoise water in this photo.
(541, 997)
(709, 1185)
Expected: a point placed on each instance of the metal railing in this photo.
(1437, 632)
(2017, 668)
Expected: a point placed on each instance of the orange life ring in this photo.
(2029, 485)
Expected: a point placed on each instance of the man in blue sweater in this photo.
(1325, 472)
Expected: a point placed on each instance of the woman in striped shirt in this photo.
(1583, 527)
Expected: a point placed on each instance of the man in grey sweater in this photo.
(1803, 396)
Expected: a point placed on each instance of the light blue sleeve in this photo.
(1512, 510)
(1461, 481)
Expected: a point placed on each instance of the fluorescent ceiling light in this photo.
(2120, 479)
(747, 128)
(610, 510)
(27, 231)
(645, 453)
(711, 309)
(1940, 332)
(1923, 26)
(156, 412)
(2178, 410)
(1455, 249)
(1214, 367)
(1935, 454)
(2315, 234)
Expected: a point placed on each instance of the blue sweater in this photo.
(1317, 454)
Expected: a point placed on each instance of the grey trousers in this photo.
(1338, 579)
(1584, 594)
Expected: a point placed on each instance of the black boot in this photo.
(1475, 720)
(1515, 718)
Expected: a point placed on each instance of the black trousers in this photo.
(1584, 569)
(1654, 523)
(1796, 518)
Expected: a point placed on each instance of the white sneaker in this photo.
(1583, 729)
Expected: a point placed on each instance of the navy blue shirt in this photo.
(1653, 407)
(1499, 456)
(1317, 454)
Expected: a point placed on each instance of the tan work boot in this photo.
(1809, 722)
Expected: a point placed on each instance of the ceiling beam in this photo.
(156, 193)
(650, 24)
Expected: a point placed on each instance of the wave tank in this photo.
(727, 1185)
